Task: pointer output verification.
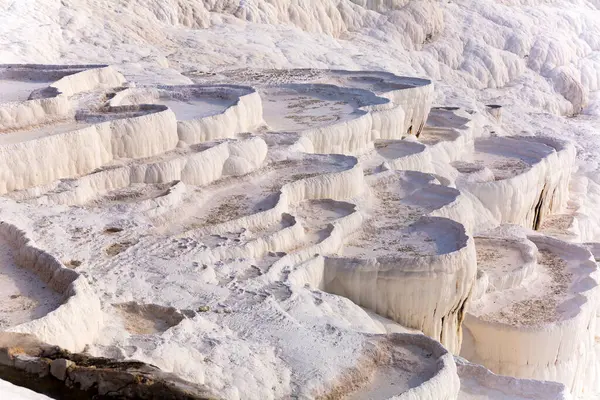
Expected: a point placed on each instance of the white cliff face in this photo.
(390, 286)
(268, 232)
(548, 297)
(527, 179)
(84, 148)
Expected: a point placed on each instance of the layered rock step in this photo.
(533, 296)
(39, 94)
(401, 247)
(520, 180)
(204, 113)
(47, 298)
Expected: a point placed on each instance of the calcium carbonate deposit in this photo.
(316, 199)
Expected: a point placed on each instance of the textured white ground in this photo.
(539, 59)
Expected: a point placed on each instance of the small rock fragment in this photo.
(58, 368)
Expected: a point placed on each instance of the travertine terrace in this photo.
(275, 233)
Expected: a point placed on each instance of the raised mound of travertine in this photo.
(534, 295)
(405, 244)
(273, 234)
(520, 179)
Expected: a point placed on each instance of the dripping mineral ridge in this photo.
(312, 199)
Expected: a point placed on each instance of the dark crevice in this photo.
(537, 217)
(420, 129)
(552, 199)
(461, 313)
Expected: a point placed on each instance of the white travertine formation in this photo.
(390, 286)
(412, 95)
(477, 382)
(156, 206)
(345, 184)
(80, 151)
(372, 117)
(241, 109)
(505, 269)
(220, 214)
(302, 203)
(79, 319)
(17, 392)
(404, 113)
(52, 103)
(529, 179)
(524, 323)
(443, 383)
(449, 135)
(229, 158)
(405, 155)
(88, 80)
(33, 112)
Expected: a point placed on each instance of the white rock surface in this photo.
(244, 206)
(477, 382)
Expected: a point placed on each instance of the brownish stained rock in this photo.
(58, 373)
